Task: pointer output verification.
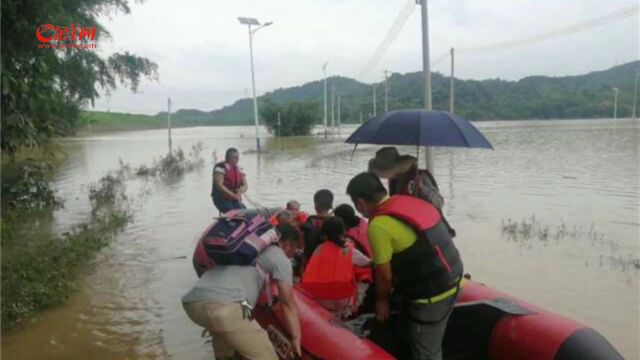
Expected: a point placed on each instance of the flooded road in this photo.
(576, 181)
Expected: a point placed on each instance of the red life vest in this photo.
(233, 179)
(432, 265)
(302, 217)
(359, 235)
(329, 274)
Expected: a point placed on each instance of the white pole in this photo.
(451, 83)
(635, 95)
(333, 102)
(253, 85)
(324, 69)
(339, 116)
(374, 100)
(426, 70)
(169, 121)
(386, 91)
(615, 102)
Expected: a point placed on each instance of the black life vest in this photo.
(432, 265)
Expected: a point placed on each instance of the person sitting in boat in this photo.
(223, 298)
(414, 254)
(356, 232)
(285, 217)
(330, 275)
(229, 182)
(406, 179)
(356, 227)
(312, 228)
(294, 207)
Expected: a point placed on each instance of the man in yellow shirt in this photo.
(414, 257)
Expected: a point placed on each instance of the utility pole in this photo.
(615, 102)
(360, 117)
(386, 91)
(635, 95)
(324, 70)
(279, 124)
(279, 132)
(333, 102)
(339, 115)
(426, 71)
(169, 121)
(451, 83)
(374, 100)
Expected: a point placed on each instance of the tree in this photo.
(43, 89)
(296, 117)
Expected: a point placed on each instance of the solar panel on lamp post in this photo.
(249, 22)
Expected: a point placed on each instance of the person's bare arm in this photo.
(383, 278)
(292, 320)
(219, 180)
(244, 187)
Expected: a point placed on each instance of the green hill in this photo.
(535, 97)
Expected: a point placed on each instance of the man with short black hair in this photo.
(323, 203)
(413, 256)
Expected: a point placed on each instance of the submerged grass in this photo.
(39, 269)
(530, 231)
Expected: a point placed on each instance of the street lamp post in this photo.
(249, 22)
(324, 70)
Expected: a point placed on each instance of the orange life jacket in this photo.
(359, 235)
(330, 273)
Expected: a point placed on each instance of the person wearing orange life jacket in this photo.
(356, 231)
(415, 257)
(406, 179)
(312, 228)
(299, 216)
(330, 274)
(229, 182)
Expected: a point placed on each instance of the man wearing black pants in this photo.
(414, 257)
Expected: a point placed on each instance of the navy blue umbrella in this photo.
(419, 128)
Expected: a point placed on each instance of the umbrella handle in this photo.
(353, 152)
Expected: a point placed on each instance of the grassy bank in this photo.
(99, 121)
(39, 268)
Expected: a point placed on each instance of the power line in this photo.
(390, 36)
(582, 26)
(569, 30)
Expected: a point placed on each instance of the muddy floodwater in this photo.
(550, 216)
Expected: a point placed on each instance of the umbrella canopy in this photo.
(419, 128)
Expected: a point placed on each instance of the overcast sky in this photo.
(203, 52)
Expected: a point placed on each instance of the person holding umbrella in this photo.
(415, 258)
(406, 179)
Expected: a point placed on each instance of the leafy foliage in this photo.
(38, 271)
(43, 89)
(535, 97)
(26, 187)
(296, 118)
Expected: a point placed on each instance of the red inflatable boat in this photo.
(485, 324)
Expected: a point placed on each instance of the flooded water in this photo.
(575, 180)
